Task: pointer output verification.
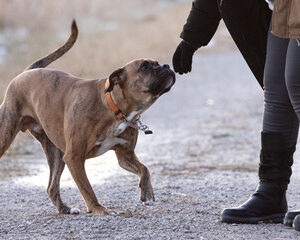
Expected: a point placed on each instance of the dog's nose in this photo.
(166, 66)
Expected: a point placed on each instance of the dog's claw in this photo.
(109, 211)
(74, 211)
(148, 203)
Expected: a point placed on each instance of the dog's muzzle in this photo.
(162, 81)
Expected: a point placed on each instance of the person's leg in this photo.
(292, 76)
(279, 115)
(279, 136)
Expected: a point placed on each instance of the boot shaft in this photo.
(276, 158)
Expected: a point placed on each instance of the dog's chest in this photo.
(112, 138)
(121, 127)
(108, 143)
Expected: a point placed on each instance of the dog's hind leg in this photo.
(9, 123)
(130, 162)
(56, 165)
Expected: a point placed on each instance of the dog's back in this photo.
(12, 106)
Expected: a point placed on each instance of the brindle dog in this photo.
(73, 121)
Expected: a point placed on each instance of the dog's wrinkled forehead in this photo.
(128, 73)
(136, 65)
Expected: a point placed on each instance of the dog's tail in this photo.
(45, 61)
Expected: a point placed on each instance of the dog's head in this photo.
(142, 81)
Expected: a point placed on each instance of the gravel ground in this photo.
(203, 156)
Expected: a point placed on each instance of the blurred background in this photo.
(111, 33)
(204, 152)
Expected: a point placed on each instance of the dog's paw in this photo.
(148, 202)
(101, 211)
(64, 209)
(74, 211)
(147, 195)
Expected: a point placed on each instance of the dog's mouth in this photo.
(162, 81)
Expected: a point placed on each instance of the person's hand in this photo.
(183, 57)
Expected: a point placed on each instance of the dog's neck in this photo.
(122, 103)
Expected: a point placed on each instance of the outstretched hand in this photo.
(183, 57)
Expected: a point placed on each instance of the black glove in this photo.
(183, 57)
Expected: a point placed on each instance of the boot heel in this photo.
(296, 223)
(289, 217)
(288, 222)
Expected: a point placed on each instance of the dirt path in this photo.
(203, 157)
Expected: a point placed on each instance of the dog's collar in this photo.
(118, 113)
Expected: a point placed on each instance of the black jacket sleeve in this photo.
(248, 23)
(202, 23)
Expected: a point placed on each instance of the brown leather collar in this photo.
(112, 104)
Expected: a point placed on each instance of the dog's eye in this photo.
(145, 66)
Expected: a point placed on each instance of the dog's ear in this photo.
(117, 77)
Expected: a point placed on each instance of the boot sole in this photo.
(273, 218)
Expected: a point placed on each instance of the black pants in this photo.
(282, 87)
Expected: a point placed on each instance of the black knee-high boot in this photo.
(268, 203)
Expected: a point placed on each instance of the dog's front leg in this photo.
(77, 170)
(129, 161)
